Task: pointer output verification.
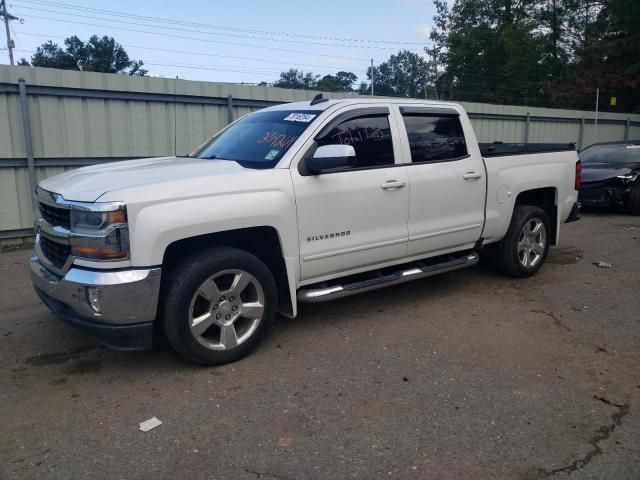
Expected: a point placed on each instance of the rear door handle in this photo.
(471, 176)
(392, 185)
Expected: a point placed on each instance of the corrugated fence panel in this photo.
(81, 118)
(489, 130)
(9, 205)
(11, 136)
(14, 185)
(606, 133)
(554, 132)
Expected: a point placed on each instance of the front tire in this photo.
(524, 248)
(633, 203)
(219, 304)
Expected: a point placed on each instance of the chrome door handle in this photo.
(472, 176)
(392, 185)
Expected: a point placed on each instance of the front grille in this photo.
(56, 216)
(56, 253)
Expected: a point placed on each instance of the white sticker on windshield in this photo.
(300, 117)
(272, 154)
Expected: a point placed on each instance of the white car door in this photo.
(353, 218)
(447, 179)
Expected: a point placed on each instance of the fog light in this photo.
(93, 298)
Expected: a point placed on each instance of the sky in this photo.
(232, 40)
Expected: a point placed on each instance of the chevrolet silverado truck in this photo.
(300, 202)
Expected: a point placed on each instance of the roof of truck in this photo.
(306, 105)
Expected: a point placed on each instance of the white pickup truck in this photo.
(300, 202)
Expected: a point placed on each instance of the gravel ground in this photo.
(469, 375)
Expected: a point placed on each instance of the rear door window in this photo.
(434, 138)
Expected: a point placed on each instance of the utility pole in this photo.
(7, 17)
(435, 78)
(595, 126)
(372, 77)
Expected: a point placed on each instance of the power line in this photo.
(481, 90)
(219, 27)
(221, 68)
(226, 34)
(234, 68)
(456, 92)
(187, 52)
(49, 19)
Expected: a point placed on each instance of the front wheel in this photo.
(219, 304)
(524, 248)
(633, 203)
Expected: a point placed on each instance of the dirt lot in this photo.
(465, 376)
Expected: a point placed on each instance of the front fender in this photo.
(157, 226)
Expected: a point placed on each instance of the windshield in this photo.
(260, 139)
(620, 154)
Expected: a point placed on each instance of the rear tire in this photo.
(219, 304)
(524, 248)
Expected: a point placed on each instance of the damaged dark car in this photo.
(611, 176)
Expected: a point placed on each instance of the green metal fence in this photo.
(54, 120)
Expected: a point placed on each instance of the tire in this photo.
(633, 203)
(204, 318)
(519, 256)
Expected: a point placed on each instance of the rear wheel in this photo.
(524, 248)
(220, 303)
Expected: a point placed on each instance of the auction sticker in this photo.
(300, 117)
(272, 154)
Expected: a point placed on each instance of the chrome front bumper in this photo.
(120, 297)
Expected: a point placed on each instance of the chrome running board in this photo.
(316, 293)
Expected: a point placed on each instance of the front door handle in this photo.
(472, 176)
(392, 185)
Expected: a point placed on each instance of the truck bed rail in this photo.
(497, 149)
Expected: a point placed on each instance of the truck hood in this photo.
(88, 184)
(596, 172)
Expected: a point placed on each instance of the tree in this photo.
(605, 45)
(96, 55)
(297, 79)
(553, 17)
(340, 82)
(490, 49)
(405, 74)
(539, 52)
(293, 78)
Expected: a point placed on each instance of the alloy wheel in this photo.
(226, 309)
(532, 242)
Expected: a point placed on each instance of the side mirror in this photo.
(328, 158)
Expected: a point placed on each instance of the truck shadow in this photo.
(388, 300)
(84, 357)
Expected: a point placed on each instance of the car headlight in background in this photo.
(628, 177)
(99, 231)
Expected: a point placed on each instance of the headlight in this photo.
(628, 177)
(99, 231)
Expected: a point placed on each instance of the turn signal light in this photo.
(118, 216)
(85, 251)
